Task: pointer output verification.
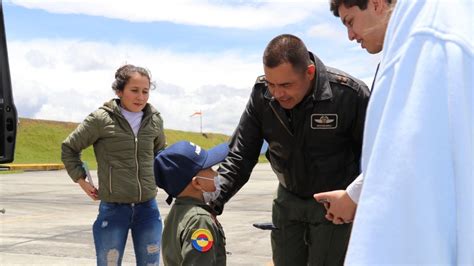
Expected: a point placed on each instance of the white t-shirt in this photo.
(133, 118)
(355, 188)
(417, 201)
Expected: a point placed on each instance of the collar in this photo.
(113, 106)
(321, 88)
(186, 200)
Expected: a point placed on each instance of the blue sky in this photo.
(203, 55)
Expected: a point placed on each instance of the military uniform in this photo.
(313, 147)
(192, 236)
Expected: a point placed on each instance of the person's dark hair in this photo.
(287, 48)
(123, 74)
(362, 4)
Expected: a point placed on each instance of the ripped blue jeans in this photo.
(111, 230)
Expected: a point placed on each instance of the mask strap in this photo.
(208, 178)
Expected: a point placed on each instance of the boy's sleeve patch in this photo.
(202, 240)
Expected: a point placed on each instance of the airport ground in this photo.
(48, 220)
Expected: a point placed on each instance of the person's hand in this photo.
(216, 208)
(339, 206)
(88, 188)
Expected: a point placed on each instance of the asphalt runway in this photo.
(48, 220)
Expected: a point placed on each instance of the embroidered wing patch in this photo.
(202, 240)
(324, 121)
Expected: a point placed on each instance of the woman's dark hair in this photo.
(123, 74)
(287, 48)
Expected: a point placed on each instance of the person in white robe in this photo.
(416, 206)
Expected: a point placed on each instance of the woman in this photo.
(126, 134)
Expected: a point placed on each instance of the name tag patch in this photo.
(324, 121)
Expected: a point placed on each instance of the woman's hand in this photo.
(89, 189)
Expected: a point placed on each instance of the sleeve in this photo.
(354, 188)
(160, 140)
(418, 164)
(82, 137)
(245, 146)
(198, 242)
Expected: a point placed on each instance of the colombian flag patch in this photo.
(202, 240)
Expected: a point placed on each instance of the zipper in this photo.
(136, 162)
(110, 179)
(144, 120)
(281, 121)
(136, 154)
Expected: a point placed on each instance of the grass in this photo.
(39, 141)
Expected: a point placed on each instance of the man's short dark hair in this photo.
(362, 4)
(286, 48)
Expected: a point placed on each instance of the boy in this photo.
(191, 235)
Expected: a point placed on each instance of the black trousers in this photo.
(304, 236)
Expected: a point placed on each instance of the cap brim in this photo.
(216, 155)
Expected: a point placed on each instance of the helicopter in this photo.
(8, 113)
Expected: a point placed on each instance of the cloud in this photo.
(221, 14)
(67, 79)
(221, 115)
(360, 65)
(328, 31)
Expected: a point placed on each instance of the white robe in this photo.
(417, 202)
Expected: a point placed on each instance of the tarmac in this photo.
(48, 220)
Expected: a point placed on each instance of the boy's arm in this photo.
(199, 242)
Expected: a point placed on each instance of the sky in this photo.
(203, 55)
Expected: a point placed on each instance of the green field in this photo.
(39, 141)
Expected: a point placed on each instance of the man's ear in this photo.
(196, 183)
(310, 71)
(379, 5)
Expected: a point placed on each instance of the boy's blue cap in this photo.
(176, 165)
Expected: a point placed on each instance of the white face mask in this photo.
(211, 196)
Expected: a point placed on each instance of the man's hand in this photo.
(88, 188)
(216, 209)
(339, 206)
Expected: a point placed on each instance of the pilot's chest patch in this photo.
(324, 121)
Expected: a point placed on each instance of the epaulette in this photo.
(260, 79)
(340, 77)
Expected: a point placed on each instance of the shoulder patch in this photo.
(344, 80)
(340, 77)
(202, 240)
(260, 79)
